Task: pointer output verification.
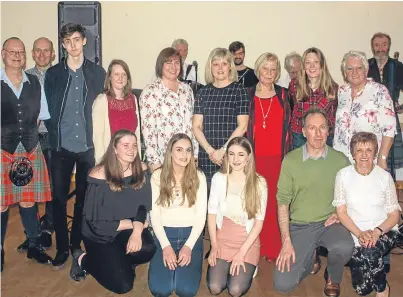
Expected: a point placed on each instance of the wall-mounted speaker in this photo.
(87, 14)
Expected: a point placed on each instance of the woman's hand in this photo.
(365, 238)
(237, 261)
(217, 156)
(214, 254)
(134, 244)
(185, 256)
(169, 257)
(375, 237)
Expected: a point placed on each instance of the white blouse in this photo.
(231, 204)
(369, 199)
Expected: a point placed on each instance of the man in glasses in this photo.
(71, 87)
(43, 54)
(24, 176)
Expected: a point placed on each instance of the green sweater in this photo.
(308, 187)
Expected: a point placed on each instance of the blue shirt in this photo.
(44, 112)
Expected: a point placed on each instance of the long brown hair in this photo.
(113, 168)
(190, 180)
(326, 82)
(108, 90)
(251, 191)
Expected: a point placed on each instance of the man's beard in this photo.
(381, 56)
(238, 63)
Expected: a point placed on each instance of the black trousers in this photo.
(62, 165)
(109, 264)
(47, 219)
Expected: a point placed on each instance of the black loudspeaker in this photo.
(87, 14)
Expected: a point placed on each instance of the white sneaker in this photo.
(255, 273)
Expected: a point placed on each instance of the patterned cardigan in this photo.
(282, 94)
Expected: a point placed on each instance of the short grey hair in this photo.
(314, 110)
(290, 58)
(179, 41)
(354, 54)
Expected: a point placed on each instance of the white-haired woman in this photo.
(221, 111)
(269, 131)
(364, 105)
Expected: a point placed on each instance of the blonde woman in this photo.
(221, 111)
(115, 109)
(178, 216)
(236, 211)
(313, 87)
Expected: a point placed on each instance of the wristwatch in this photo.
(383, 157)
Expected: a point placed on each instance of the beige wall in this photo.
(137, 31)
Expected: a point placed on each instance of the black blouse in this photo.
(103, 208)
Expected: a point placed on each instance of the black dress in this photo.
(220, 108)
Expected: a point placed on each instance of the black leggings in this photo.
(109, 264)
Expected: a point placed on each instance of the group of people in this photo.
(275, 171)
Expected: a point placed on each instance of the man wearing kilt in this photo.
(24, 176)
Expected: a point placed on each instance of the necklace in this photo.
(364, 174)
(126, 169)
(267, 113)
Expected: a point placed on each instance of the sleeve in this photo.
(156, 211)
(98, 120)
(331, 108)
(48, 88)
(101, 228)
(44, 112)
(242, 103)
(387, 113)
(201, 211)
(285, 192)
(339, 191)
(263, 198)
(399, 76)
(213, 201)
(148, 114)
(390, 196)
(141, 215)
(198, 105)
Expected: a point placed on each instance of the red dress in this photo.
(122, 114)
(268, 150)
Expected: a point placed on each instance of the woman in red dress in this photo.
(115, 109)
(269, 132)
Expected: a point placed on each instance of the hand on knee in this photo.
(4, 208)
(27, 204)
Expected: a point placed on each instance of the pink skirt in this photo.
(230, 238)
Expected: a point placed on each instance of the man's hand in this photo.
(333, 219)
(287, 253)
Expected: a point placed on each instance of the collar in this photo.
(66, 67)
(305, 155)
(3, 76)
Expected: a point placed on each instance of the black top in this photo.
(247, 77)
(103, 208)
(19, 116)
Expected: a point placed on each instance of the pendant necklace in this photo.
(267, 113)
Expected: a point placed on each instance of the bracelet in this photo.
(379, 230)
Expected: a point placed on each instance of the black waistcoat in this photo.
(19, 116)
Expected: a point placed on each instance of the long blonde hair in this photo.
(190, 181)
(326, 82)
(251, 191)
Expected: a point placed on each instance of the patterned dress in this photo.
(371, 111)
(220, 108)
(165, 113)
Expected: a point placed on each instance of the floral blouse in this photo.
(163, 114)
(371, 111)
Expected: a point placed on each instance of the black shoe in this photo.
(60, 260)
(386, 267)
(23, 247)
(76, 272)
(46, 240)
(2, 259)
(39, 255)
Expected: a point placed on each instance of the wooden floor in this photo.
(22, 277)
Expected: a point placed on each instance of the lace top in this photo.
(235, 204)
(122, 114)
(368, 198)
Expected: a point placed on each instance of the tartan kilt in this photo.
(397, 148)
(38, 190)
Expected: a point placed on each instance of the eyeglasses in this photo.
(16, 53)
